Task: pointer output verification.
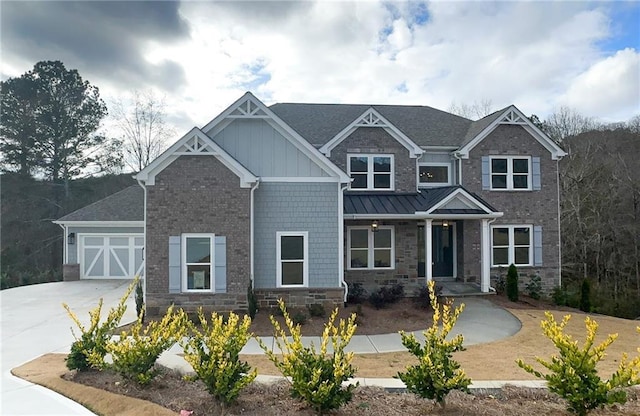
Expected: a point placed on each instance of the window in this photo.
(434, 174)
(510, 173)
(198, 261)
(371, 172)
(369, 249)
(292, 253)
(511, 244)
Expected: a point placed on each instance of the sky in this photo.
(202, 56)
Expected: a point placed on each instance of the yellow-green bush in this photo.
(437, 373)
(214, 351)
(136, 352)
(573, 374)
(89, 350)
(316, 376)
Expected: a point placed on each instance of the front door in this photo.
(442, 250)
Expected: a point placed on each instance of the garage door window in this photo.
(198, 254)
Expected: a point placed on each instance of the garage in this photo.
(112, 256)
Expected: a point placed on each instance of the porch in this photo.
(458, 289)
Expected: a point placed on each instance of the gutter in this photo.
(144, 237)
(341, 241)
(252, 231)
(458, 157)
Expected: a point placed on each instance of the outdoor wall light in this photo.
(71, 238)
(445, 223)
(374, 226)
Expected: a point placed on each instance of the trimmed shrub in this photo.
(140, 301)
(214, 354)
(534, 287)
(317, 310)
(585, 296)
(573, 374)
(512, 283)
(316, 376)
(136, 352)
(299, 318)
(437, 372)
(559, 296)
(357, 293)
(386, 295)
(252, 302)
(89, 350)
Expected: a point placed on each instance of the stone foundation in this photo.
(300, 297)
(70, 272)
(157, 305)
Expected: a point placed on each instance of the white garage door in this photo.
(114, 256)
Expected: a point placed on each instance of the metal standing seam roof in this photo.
(125, 205)
(407, 203)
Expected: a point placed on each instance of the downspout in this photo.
(341, 240)
(456, 156)
(144, 243)
(559, 224)
(252, 231)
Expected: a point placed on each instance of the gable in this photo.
(460, 201)
(511, 116)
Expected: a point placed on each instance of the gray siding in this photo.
(73, 248)
(264, 151)
(311, 207)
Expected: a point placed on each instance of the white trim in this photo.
(486, 251)
(511, 245)
(252, 232)
(212, 262)
(280, 126)
(370, 172)
(371, 248)
(309, 179)
(434, 184)
(201, 145)
(144, 248)
(341, 280)
(462, 193)
(543, 139)
(371, 118)
(100, 223)
(428, 253)
(510, 174)
(305, 260)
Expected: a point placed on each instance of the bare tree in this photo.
(566, 122)
(477, 110)
(143, 127)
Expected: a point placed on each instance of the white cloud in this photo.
(610, 87)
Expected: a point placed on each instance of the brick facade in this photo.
(197, 194)
(519, 207)
(371, 140)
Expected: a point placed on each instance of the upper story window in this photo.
(434, 174)
(371, 172)
(510, 173)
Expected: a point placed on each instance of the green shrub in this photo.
(585, 296)
(357, 293)
(386, 295)
(299, 318)
(559, 296)
(534, 287)
(136, 352)
(214, 354)
(140, 301)
(501, 284)
(573, 374)
(512, 283)
(89, 350)
(316, 376)
(422, 296)
(317, 310)
(252, 302)
(437, 372)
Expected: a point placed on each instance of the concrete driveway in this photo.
(32, 323)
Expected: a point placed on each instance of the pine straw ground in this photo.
(107, 394)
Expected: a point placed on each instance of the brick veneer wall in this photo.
(377, 140)
(519, 207)
(197, 194)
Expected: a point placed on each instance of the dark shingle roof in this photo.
(409, 203)
(426, 126)
(126, 205)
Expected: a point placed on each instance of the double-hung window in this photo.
(198, 262)
(292, 255)
(510, 173)
(369, 249)
(371, 172)
(512, 244)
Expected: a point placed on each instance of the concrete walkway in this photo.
(33, 323)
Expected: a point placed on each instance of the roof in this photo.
(407, 203)
(424, 125)
(126, 205)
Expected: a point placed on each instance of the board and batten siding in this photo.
(311, 207)
(264, 151)
(72, 253)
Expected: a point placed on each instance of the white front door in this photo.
(115, 256)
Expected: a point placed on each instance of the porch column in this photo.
(428, 255)
(485, 262)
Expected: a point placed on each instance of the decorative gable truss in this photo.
(195, 143)
(371, 118)
(513, 116)
(248, 108)
(460, 203)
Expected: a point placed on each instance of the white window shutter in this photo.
(486, 177)
(221, 264)
(537, 245)
(536, 178)
(175, 266)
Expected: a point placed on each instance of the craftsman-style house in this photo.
(300, 201)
